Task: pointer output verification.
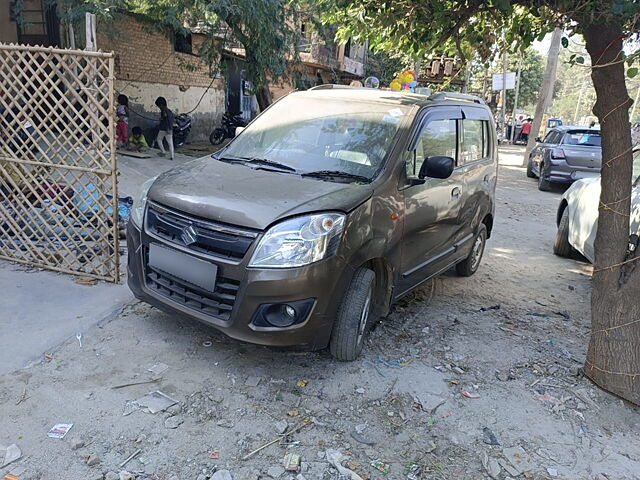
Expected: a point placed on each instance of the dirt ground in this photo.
(469, 378)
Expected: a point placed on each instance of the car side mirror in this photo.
(239, 130)
(437, 166)
(538, 139)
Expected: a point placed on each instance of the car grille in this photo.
(218, 303)
(203, 236)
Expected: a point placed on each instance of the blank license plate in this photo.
(183, 266)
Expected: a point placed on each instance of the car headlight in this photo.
(140, 201)
(299, 241)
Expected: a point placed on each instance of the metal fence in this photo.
(58, 184)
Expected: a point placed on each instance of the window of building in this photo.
(347, 48)
(183, 43)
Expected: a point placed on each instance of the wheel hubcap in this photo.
(364, 317)
(476, 253)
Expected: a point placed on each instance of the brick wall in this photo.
(145, 56)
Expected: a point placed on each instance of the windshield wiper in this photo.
(337, 174)
(256, 161)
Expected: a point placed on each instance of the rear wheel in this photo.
(561, 245)
(470, 265)
(354, 316)
(217, 136)
(530, 173)
(544, 185)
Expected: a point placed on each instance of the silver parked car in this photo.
(577, 217)
(566, 154)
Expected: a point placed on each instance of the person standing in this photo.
(165, 128)
(122, 127)
(526, 130)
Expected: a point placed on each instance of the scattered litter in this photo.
(415, 472)
(214, 454)
(207, 343)
(130, 406)
(492, 307)
(252, 381)
(458, 370)
(489, 437)
(292, 462)
(59, 430)
(519, 458)
(552, 472)
(302, 383)
(9, 454)
(549, 342)
(563, 314)
(173, 422)
(93, 460)
(336, 458)
(470, 395)
(23, 397)
(129, 458)
(124, 475)
(361, 391)
(10, 476)
(510, 469)
(360, 439)
(156, 401)
(77, 445)
(88, 281)
(431, 421)
(132, 384)
(546, 398)
(281, 426)
(158, 368)
(79, 338)
(48, 356)
(377, 369)
(280, 437)
(293, 413)
(381, 466)
(491, 465)
(361, 428)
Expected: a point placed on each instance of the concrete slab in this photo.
(42, 309)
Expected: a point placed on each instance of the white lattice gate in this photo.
(58, 183)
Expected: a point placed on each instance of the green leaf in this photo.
(565, 42)
(580, 60)
(632, 72)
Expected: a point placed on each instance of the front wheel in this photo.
(470, 265)
(561, 245)
(217, 136)
(353, 317)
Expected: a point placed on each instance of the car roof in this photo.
(565, 128)
(348, 93)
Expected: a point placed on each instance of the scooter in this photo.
(228, 128)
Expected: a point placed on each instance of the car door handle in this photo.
(456, 192)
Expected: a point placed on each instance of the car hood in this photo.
(253, 198)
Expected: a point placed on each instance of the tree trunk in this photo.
(263, 95)
(613, 358)
(546, 91)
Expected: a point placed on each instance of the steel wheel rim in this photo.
(364, 317)
(476, 252)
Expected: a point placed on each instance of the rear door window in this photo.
(552, 137)
(473, 141)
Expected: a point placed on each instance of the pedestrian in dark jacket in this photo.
(165, 130)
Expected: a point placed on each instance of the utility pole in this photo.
(515, 104)
(575, 117)
(505, 61)
(546, 91)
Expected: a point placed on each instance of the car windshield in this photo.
(589, 138)
(322, 136)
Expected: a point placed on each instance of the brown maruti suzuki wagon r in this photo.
(331, 205)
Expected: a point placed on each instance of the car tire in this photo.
(470, 265)
(530, 173)
(544, 185)
(353, 317)
(217, 136)
(561, 245)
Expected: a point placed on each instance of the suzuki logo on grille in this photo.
(189, 235)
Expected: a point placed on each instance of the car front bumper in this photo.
(323, 282)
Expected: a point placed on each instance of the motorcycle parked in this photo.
(227, 129)
(181, 130)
